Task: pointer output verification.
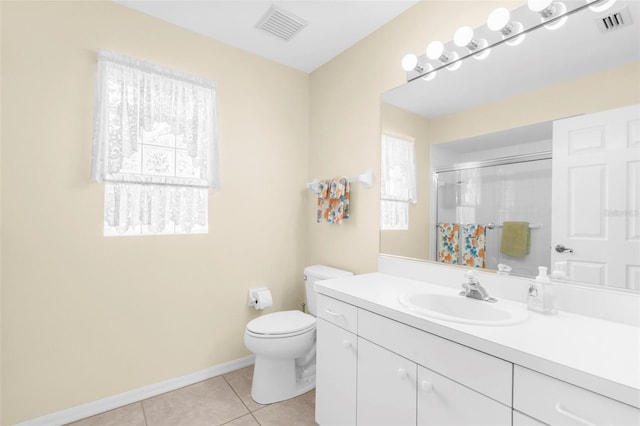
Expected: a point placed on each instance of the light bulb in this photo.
(463, 36)
(540, 6)
(485, 52)
(560, 9)
(548, 10)
(435, 50)
(499, 19)
(409, 62)
(600, 5)
(517, 35)
(430, 73)
(455, 65)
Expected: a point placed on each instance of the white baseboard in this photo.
(105, 404)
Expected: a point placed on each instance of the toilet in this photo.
(284, 344)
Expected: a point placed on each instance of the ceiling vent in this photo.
(281, 23)
(615, 20)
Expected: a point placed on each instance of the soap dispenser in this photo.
(542, 293)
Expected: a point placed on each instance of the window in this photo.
(154, 147)
(398, 182)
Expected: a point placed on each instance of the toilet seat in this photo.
(281, 324)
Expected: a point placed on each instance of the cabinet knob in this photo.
(426, 386)
(402, 373)
(347, 344)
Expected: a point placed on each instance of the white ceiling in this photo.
(332, 25)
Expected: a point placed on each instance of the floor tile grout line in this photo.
(255, 418)
(236, 393)
(260, 407)
(144, 413)
(250, 412)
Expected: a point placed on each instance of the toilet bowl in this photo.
(284, 344)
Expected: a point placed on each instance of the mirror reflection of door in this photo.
(596, 197)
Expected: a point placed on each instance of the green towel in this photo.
(515, 239)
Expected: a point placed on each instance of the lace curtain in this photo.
(154, 146)
(398, 182)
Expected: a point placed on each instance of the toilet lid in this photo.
(285, 322)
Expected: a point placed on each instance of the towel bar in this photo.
(366, 179)
(531, 225)
(493, 225)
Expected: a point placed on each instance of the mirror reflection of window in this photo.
(398, 182)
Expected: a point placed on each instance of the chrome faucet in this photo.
(473, 288)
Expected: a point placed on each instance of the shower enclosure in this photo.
(490, 193)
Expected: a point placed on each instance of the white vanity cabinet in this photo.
(386, 387)
(336, 363)
(407, 369)
(453, 381)
(394, 374)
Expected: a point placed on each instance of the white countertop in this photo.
(598, 355)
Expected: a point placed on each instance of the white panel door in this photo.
(386, 387)
(596, 197)
(336, 367)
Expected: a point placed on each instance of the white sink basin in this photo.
(463, 309)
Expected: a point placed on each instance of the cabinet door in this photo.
(386, 387)
(444, 402)
(336, 359)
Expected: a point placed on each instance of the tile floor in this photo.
(222, 400)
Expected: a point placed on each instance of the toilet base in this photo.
(275, 379)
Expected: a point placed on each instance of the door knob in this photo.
(561, 249)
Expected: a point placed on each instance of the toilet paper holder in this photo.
(253, 296)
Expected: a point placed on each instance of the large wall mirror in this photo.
(490, 139)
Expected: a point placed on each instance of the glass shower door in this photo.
(493, 195)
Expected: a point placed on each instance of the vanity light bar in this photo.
(503, 27)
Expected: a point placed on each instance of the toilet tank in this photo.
(318, 273)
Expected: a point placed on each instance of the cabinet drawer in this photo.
(559, 403)
(484, 373)
(338, 313)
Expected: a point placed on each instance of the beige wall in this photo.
(615, 88)
(345, 119)
(413, 242)
(86, 317)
